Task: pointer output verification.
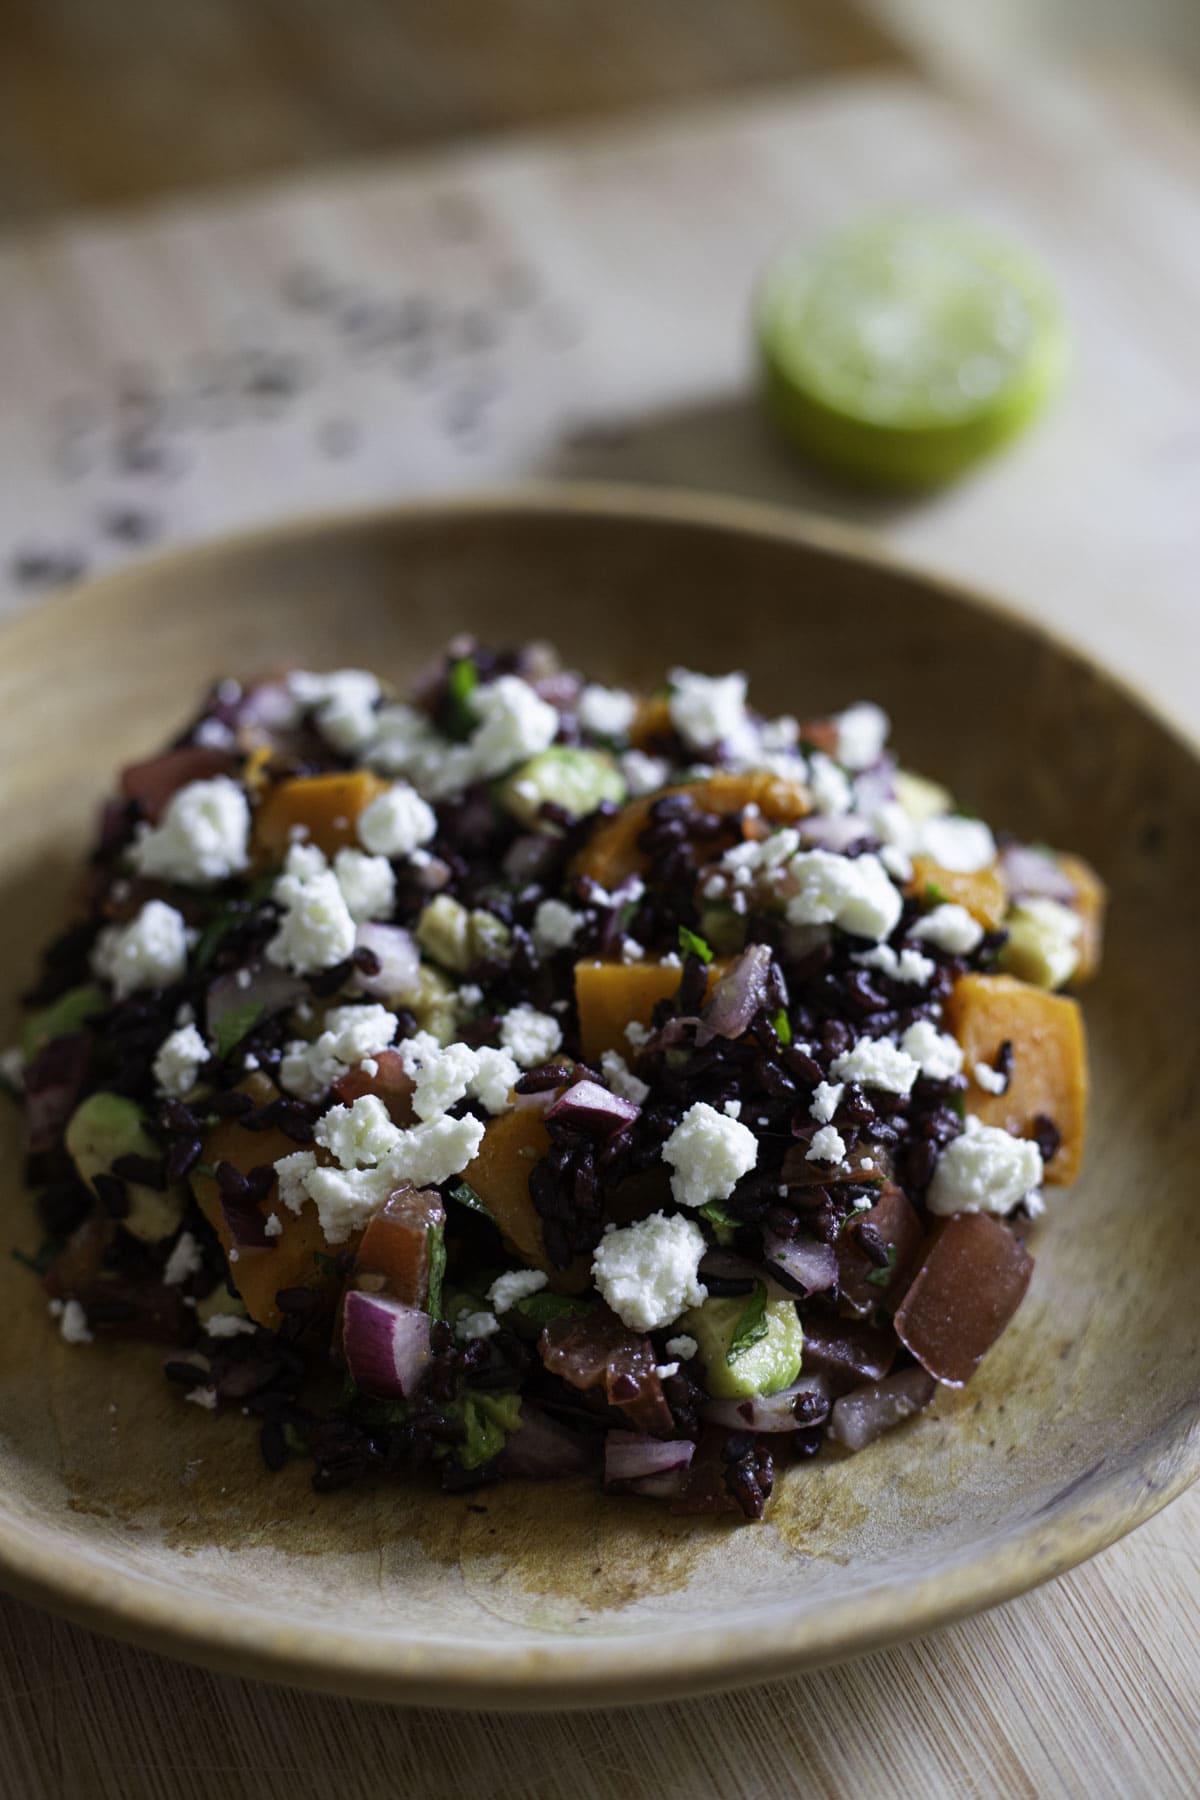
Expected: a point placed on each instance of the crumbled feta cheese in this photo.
(178, 1062)
(939, 1055)
(732, 1109)
(351, 1034)
(496, 1074)
(637, 1035)
(506, 1290)
(778, 736)
(273, 1227)
(631, 950)
(514, 724)
(346, 1198)
(223, 1325)
(202, 1396)
(149, 952)
(665, 1370)
(397, 822)
(203, 836)
(897, 862)
(683, 1346)
(908, 966)
(950, 928)
(827, 1097)
(359, 1135)
(292, 1172)
(433, 1151)
(186, 1259)
(621, 1079)
(854, 892)
(472, 1325)
(73, 1324)
(367, 883)
(317, 930)
(711, 709)
(984, 1170)
(989, 1079)
(828, 1146)
(555, 926)
(708, 1153)
(12, 1066)
(531, 1036)
(444, 1075)
(964, 845)
(831, 791)
(875, 1062)
(606, 712)
(649, 1272)
(643, 774)
(862, 733)
(343, 705)
(405, 742)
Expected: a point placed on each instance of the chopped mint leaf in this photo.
(783, 1027)
(489, 1420)
(540, 1309)
(751, 1325)
(461, 683)
(233, 1026)
(229, 916)
(466, 1196)
(723, 1223)
(881, 1278)
(45, 1254)
(437, 1269)
(935, 895)
(692, 944)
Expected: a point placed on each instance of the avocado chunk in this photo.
(105, 1126)
(576, 780)
(70, 1012)
(765, 1366)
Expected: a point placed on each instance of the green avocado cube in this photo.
(70, 1012)
(768, 1362)
(576, 780)
(105, 1126)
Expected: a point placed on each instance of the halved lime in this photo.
(904, 351)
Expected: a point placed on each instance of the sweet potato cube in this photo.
(1049, 1060)
(983, 892)
(390, 1083)
(611, 853)
(328, 805)
(1090, 897)
(612, 995)
(652, 723)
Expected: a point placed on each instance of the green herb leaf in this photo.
(693, 945)
(229, 916)
(461, 683)
(489, 1420)
(723, 1223)
(935, 895)
(783, 1027)
(752, 1324)
(43, 1257)
(437, 1269)
(466, 1196)
(233, 1026)
(540, 1309)
(881, 1278)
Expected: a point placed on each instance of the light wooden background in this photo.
(607, 273)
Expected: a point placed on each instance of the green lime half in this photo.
(905, 351)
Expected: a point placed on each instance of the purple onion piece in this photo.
(593, 1108)
(399, 961)
(646, 1465)
(272, 990)
(268, 706)
(737, 996)
(385, 1343)
(834, 831)
(773, 1412)
(801, 1262)
(1028, 873)
(858, 1418)
(544, 1450)
(875, 786)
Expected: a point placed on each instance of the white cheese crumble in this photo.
(317, 929)
(180, 1058)
(732, 1109)
(368, 885)
(530, 1036)
(683, 1347)
(273, 1227)
(964, 845)
(343, 705)
(831, 791)
(621, 1078)
(397, 822)
(708, 1153)
(358, 1135)
(445, 1075)
(711, 709)
(514, 724)
(939, 1055)
(555, 925)
(862, 734)
(649, 1272)
(637, 1035)
(149, 952)
(425, 1155)
(506, 1290)
(989, 1079)
(73, 1324)
(828, 1146)
(951, 928)
(471, 1325)
(878, 1063)
(202, 837)
(854, 892)
(224, 1325)
(907, 966)
(644, 774)
(606, 712)
(351, 1034)
(827, 1097)
(186, 1259)
(984, 1170)
(203, 1396)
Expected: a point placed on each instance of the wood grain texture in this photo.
(102, 101)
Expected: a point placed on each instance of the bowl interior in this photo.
(151, 1517)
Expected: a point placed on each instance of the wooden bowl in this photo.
(139, 1515)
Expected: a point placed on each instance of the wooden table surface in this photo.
(208, 365)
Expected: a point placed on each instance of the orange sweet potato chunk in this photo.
(499, 1174)
(611, 852)
(1049, 1060)
(652, 723)
(612, 995)
(328, 805)
(983, 892)
(1090, 899)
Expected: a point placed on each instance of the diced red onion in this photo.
(593, 1109)
(386, 1344)
(153, 783)
(737, 996)
(834, 831)
(646, 1465)
(846, 1347)
(399, 961)
(272, 990)
(860, 1417)
(1033, 872)
(772, 1412)
(539, 1103)
(801, 1262)
(544, 1450)
(875, 786)
(268, 706)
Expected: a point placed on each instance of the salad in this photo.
(535, 1078)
